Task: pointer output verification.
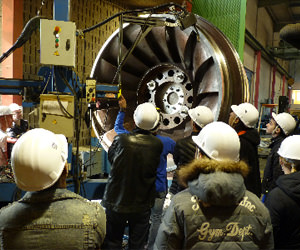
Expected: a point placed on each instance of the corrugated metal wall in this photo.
(85, 14)
(31, 58)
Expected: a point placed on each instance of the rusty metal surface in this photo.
(176, 70)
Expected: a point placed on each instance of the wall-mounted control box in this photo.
(57, 42)
(90, 90)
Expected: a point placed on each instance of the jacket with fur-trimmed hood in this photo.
(215, 211)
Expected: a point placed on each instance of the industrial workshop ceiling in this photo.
(282, 12)
(286, 19)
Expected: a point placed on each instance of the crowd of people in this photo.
(216, 200)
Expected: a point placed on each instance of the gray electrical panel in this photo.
(57, 42)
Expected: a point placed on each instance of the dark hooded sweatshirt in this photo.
(249, 142)
(283, 203)
(273, 169)
(184, 153)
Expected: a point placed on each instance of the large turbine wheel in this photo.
(176, 70)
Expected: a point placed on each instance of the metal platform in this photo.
(91, 189)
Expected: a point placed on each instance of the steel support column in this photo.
(257, 78)
(283, 84)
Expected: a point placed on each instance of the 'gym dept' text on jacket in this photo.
(215, 211)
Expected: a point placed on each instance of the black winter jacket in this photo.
(273, 169)
(184, 153)
(248, 152)
(283, 203)
(131, 183)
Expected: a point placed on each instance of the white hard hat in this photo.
(14, 107)
(247, 113)
(290, 148)
(285, 121)
(146, 116)
(38, 159)
(5, 110)
(201, 115)
(219, 141)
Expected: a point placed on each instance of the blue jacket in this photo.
(161, 182)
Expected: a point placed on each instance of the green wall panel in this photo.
(228, 15)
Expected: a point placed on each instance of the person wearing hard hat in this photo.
(5, 122)
(48, 216)
(19, 126)
(130, 190)
(243, 119)
(215, 211)
(280, 126)
(185, 148)
(161, 182)
(283, 201)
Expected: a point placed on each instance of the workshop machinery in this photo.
(164, 55)
(173, 66)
